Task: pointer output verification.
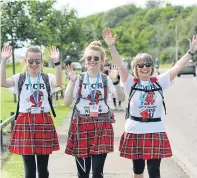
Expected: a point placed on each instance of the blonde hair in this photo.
(97, 46)
(142, 57)
(34, 49)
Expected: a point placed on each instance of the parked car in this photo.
(76, 66)
(190, 68)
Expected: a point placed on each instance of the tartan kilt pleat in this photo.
(145, 146)
(89, 137)
(34, 134)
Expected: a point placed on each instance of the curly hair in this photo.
(143, 57)
(97, 46)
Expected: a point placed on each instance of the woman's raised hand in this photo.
(71, 73)
(109, 39)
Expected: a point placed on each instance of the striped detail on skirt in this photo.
(34, 134)
(88, 137)
(145, 146)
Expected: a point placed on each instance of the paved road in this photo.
(180, 124)
(63, 166)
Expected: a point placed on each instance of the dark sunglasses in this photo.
(144, 64)
(37, 61)
(89, 58)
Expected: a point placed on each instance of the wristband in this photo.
(189, 52)
(117, 82)
(57, 63)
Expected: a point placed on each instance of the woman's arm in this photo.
(180, 64)
(68, 95)
(120, 94)
(6, 52)
(110, 41)
(54, 55)
(113, 75)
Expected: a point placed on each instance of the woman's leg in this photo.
(98, 162)
(114, 101)
(29, 166)
(83, 167)
(42, 164)
(138, 168)
(119, 103)
(153, 166)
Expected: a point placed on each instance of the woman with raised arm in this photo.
(34, 134)
(91, 135)
(144, 137)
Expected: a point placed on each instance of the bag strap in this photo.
(105, 83)
(134, 89)
(132, 92)
(21, 81)
(161, 93)
(45, 78)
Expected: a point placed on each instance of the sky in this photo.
(88, 7)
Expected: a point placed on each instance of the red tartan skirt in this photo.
(88, 137)
(145, 146)
(34, 134)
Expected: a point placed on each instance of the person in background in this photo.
(157, 65)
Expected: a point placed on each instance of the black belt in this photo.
(140, 119)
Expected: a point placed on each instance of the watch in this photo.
(57, 63)
(189, 52)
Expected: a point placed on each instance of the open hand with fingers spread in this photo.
(109, 39)
(71, 73)
(113, 73)
(54, 54)
(193, 44)
(6, 52)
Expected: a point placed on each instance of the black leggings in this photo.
(84, 165)
(30, 166)
(153, 166)
(114, 101)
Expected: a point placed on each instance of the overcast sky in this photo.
(88, 7)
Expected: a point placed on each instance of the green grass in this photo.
(12, 164)
(165, 66)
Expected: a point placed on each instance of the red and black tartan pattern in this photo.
(145, 146)
(89, 137)
(34, 134)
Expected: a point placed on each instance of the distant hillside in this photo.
(151, 29)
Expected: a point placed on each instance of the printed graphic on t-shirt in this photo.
(98, 96)
(148, 108)
(89, 102)
(40, 99)
(34, 95)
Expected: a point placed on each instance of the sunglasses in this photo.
(31, 61)
(144, 64)
(89, 58)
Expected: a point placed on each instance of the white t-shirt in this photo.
(85, 102)
(152, 104)
(26, 97)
